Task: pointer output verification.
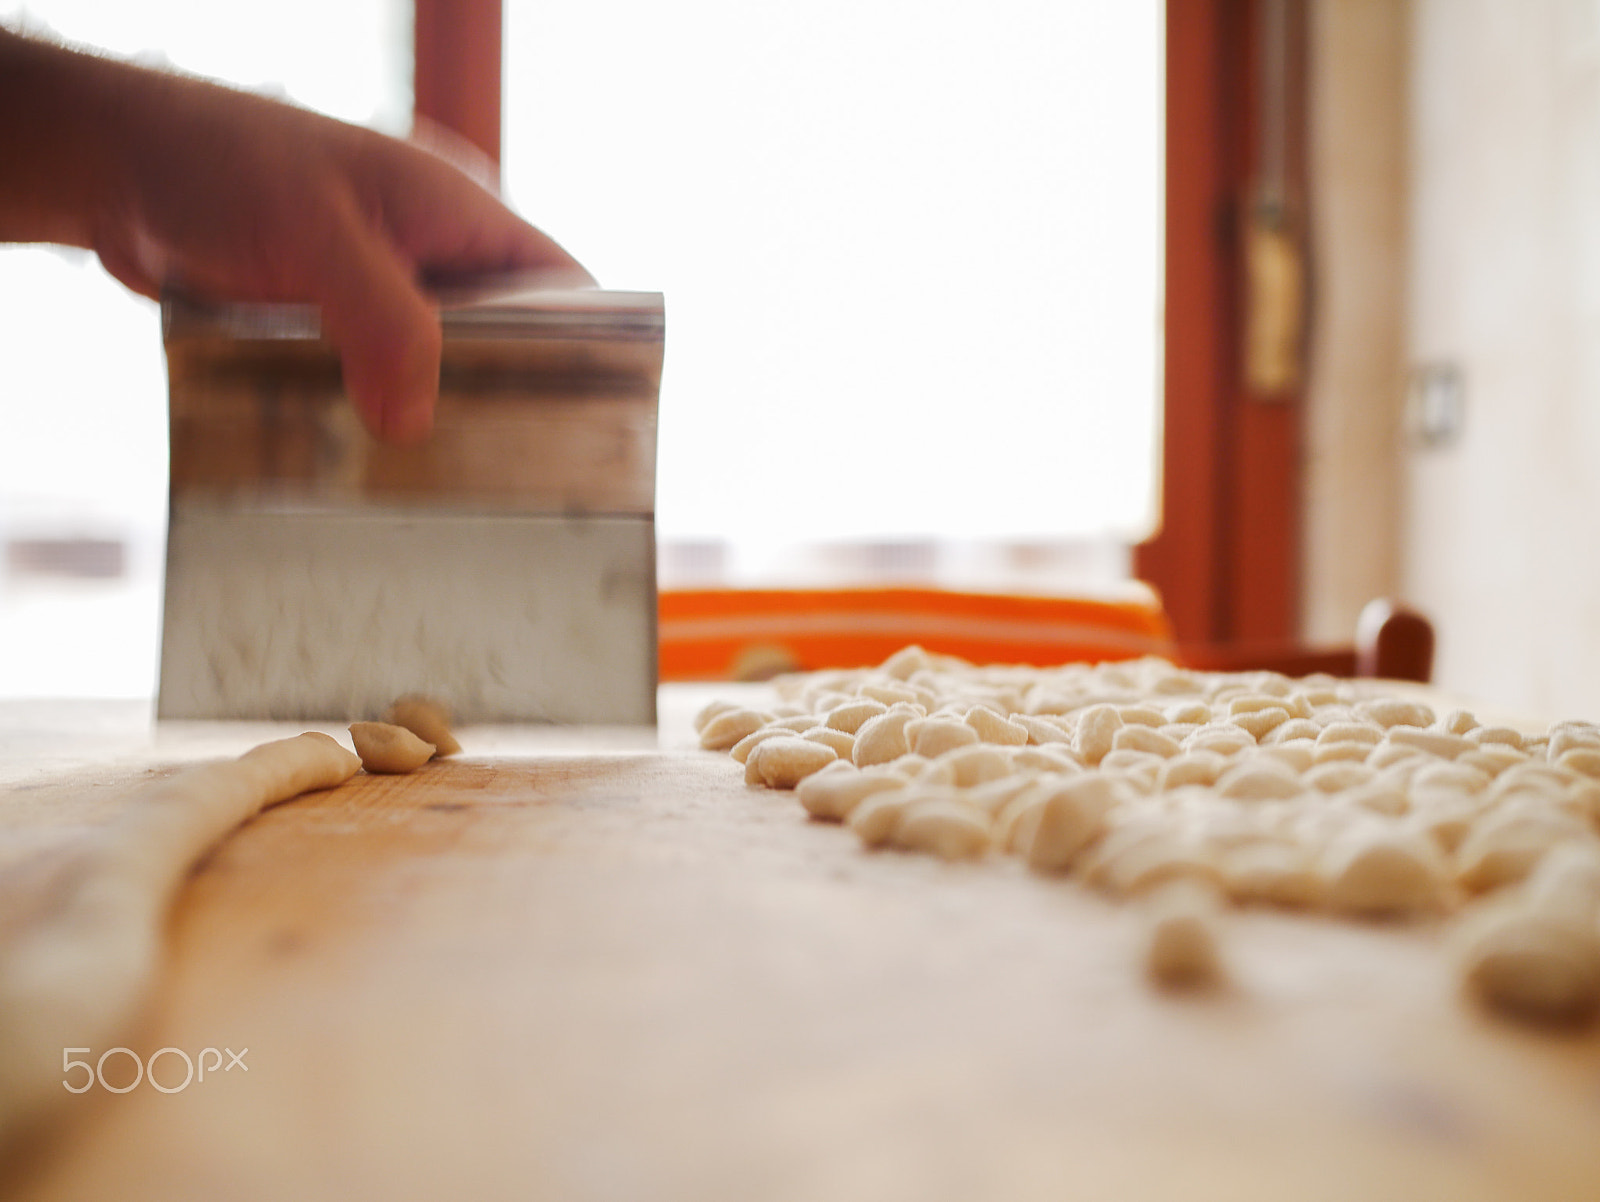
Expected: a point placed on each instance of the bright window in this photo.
(910, 252)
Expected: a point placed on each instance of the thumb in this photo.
(386, 332)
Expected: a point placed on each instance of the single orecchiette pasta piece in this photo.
(1294, 730)
(1383, 870)
(874, 817)
(1530, 964)
(1387, 754)
(996, 728)
(1569, 736)
(1141, 715)
(1191, 768)
(1440, 743)
(1096, 730)
(882, 739)
(1042, 731)
(843, 744)
(1138, 768)
(1581, 759)
(1394, 711)
(978, 763)
(906, 663)
(1378, 796)
(1259, 723)
(1341, 750)
(795, 723)
(1144, 738)
(1506, 843)
(833, 791)
(709, 711)
(888, 692)
(1260, 780)
(1351, 732)
(741, 750)
(1297, 755)
(850, 715)
(784, 761)
(1191, 713)
(1503, 736)
(1533, 778)
(1251, 703)
(428, 719)
(1062, 818)
(1334, 776)
(729, 726)
(993, 796)
(1150, 863)
(1048, 757)
(1181, 934)
(1226, 739)
(1453, 777)
(946, 827)
(934, 736)
(385, 747)
(1272, 872)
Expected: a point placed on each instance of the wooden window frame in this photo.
(1227, 554)
(458, 48)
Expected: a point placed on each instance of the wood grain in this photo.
(594, 974)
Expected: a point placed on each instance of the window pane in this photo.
(910, 251)
(82, 382)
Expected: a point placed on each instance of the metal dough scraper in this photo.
(505, 566)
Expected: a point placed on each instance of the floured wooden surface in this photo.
(567, 965)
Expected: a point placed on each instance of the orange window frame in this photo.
(1226, 558)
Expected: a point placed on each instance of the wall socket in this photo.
(1436, 406)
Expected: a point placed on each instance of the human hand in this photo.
(235, 197)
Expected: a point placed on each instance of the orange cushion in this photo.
(745, 634)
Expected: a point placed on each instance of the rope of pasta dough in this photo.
(78, 974)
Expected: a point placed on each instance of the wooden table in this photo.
(594, 965)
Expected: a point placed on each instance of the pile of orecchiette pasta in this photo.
(1189, 789)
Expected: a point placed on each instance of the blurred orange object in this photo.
(754, 634)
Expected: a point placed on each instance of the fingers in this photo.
(443, 216)
(386, 332)
(133, 261)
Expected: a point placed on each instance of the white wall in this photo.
(1358, 147)
(1501, 529)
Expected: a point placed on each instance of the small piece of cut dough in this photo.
(426, 718)
(784, 761)
(833, 791)
(882, 739)
(386, 748)
(945, 827)
(1060, 819)
(727, 727)
(1378, 871)
(1531, 965)
(75, 977)
(1181, 945)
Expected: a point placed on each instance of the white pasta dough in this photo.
(75, 976)
(1190, 789)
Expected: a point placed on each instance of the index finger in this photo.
(386, 331)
